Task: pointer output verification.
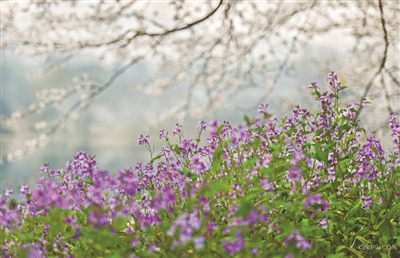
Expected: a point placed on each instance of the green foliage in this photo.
(248, 188)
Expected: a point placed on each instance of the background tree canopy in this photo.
(216, 49)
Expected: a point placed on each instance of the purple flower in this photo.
(24, 189)
(371, 176)
(163, 134)
(313, 199)
(201, 125)
(253, 217)
(262, 109)
(233, 247)
(174, 245)
(77, 232)
(152, 248)
(186, 234)
(97, 219)
(254, 251)
(197, 165)
(156, 204)
(367, 202)
(213, 125)
(3, 201)
(135, 241)
(168, 196)
(394, 125)
(8, 192)
(210, 227)
(35, 252)
(300, 241)
(266, 185)
(46, 229)
(144, 139)
(298, 155)
(331, 174)
(332, 79)
(303, 244)
(332, 158)
(180, 221)
(325, 205)
(92, 217)
(198, 242)
(264, 161)
(324, 223)
(294, 174)
(194, 221)
(40, 197)
(69, 220)
(177, 129)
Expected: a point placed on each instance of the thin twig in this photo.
(167, 32)
(382, 65)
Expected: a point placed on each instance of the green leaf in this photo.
(245, 206)
(216, 165)
(249, 163)
(12, 204)
(383, 240)
(256, 143)
(177, 150)
(189, 174)
(337, 255)
(355, 252)
(395, 176)
(353, 211)
(305, 222)
(385, 228)
(322, 155)
(362, 240)
(219, 129)
(247, 119)
(155, 158)
(394, 210)
(336, 96)
(119, 223)
(339, 248)
(360, 129)
(215, 187)
(115, 255)
(290, 132)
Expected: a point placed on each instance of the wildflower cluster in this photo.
(304, 188)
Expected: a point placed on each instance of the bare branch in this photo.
(382, 65)
(166, 32)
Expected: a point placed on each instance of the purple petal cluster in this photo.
(245, 182)
(235, 246)
(300, 241)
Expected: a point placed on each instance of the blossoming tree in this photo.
(217, 48)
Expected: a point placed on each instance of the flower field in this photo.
(305, 187)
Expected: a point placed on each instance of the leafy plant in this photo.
(305, 188)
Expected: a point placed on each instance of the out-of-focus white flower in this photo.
(41, 125)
